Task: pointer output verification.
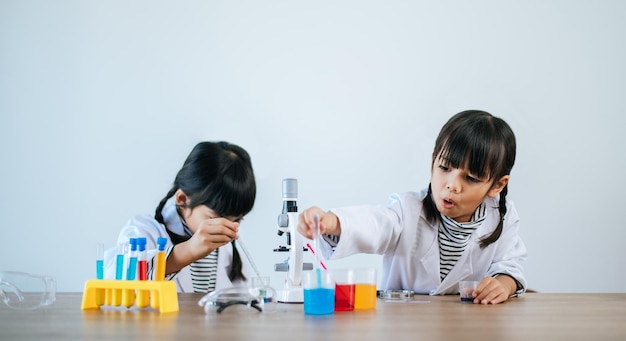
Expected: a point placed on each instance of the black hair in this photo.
(218, 175)
(486, 145)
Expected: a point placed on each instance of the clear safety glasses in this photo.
(260, 298)
(21, 290)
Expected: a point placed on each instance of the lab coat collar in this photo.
(171, 218)
(464, 267)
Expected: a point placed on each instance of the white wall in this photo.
(101, 101)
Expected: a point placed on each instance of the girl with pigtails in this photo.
(461, 227)
(200, 217)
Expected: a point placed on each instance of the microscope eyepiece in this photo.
(290, 189)
(290, 194)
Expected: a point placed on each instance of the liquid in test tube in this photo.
(119, 263)
(142, 262)
(100, 261)
(128, 296)
(100, 293)
(143, 296)
(132, 260)
(119, 272)
(159, 274)
(159, 271)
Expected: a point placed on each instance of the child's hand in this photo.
(211, 234)
(329, 224)
(494, 290)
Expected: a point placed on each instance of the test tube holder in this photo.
(98, 292)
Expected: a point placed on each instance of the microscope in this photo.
(294, 264)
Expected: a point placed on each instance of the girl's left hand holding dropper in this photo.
(213, 233)
(208, 235)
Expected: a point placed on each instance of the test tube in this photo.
(128, 296)
(143, 296)
(132, 260)
(119, 263)
(119, 272)
(142, 263)
(159, 272)
(100, 261)
(100, 272)
(160, 261)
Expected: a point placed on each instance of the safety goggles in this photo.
(21, 290)
(260, 298)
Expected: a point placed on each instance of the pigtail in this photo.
(235, 269)
(158, 215)
(484, 242)
(432, 214)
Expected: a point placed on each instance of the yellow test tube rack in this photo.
(159, 295)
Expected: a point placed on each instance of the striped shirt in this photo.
(454, 237)
(204, 270)
(204, 273)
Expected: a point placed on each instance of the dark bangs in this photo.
(475, 139)
(228, 197)
(220, 176)
(233, 193)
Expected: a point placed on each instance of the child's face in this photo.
(196, 216)
(457, 193)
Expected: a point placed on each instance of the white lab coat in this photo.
(147, 226)
(410, 245)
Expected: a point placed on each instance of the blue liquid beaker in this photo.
(320, 301)
(319, 292)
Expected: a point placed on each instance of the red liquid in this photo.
(344, 297)
(143, 270)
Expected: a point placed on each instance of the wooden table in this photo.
(534, 316)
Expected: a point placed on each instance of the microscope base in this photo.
(290, 295)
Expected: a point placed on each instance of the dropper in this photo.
(316, 236)
(245, 251)
(316, 243)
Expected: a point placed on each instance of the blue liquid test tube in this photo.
(132, 260)
(100, 293)
(119, 263)
(119, 272)
(128, 296)
(100, 261)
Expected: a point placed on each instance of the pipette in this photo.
(316, 243)
(313, 252)
(245, 251)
